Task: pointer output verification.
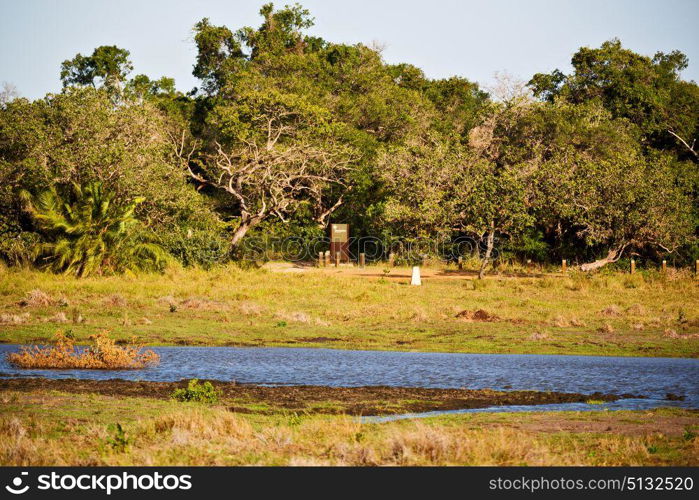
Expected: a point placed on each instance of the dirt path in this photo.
(397, 273)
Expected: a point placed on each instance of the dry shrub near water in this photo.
(104, 354)
(606, 328)
(250, 309)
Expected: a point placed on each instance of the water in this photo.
(621, 404)
(651, 378)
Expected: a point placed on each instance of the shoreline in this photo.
(320, 344)
(364, 401)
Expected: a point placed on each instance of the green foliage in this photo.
(196, 246)
(119, 441)
(289, 131)
(196, 392)
(110, 64)
(90, 232)
(646, 91)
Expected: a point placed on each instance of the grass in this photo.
(55, 428)
(645, 314)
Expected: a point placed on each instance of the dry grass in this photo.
(477, 315)
(57, 429)
(104, 354)
(115, 300)
(36, 298)
(14, 319)
(612, 311)
(606, 328)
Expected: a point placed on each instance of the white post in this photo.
(415, 280)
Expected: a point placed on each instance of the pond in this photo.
(652, 378)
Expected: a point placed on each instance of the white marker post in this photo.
(416, 276)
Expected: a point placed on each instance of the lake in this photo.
(652, 378)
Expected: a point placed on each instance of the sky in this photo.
(470, 38)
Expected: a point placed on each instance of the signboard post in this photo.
(339, 242)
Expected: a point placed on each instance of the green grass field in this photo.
(645, 314)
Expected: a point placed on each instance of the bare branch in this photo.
(690, 148)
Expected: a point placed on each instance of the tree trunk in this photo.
(489, 242)
(612, 256)
(246, 224)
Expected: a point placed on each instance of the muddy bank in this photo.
(316, 399)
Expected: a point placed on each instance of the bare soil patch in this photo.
(375, 400)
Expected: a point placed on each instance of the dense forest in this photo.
(288, 132)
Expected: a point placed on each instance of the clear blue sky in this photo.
(470, 38)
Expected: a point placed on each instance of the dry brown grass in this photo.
(104, 354)
(606, 328)
(202, 304)
(59, 317)
(250, 309)
(37, 298)
(115, 300)
(477, 315)
(636, 310)
(296, 316)
(612, 311)
(14, 319)
(195, 435)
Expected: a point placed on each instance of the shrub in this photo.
(202, 393)
(102, 355)
(203, 247)
(119, 441)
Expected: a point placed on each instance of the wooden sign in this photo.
(339, 242)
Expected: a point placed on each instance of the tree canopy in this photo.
(287, 132)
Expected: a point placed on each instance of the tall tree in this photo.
(646, 91)
(278, 151)
(596, 186)
(108, 65)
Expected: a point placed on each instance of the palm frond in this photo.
(91, 232)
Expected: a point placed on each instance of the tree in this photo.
(596, 185)
(646, 91)
(81, 136)
(8, 92)
(427, 180)
(281, 154)
(90, 232)
(503, 194)
(108, 65)
(630, 203)
(361, 98)
(441, 187)
(141, 87)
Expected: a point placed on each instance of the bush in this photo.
(102, 355)
(202, 393)
(119, 441)
(201, 247)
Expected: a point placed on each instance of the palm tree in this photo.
(91, 232)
